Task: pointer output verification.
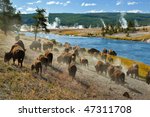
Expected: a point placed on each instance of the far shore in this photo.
(139, 35)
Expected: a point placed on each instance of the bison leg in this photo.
(14, 60)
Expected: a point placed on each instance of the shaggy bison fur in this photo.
(133, 70)
(16, 52)
(37, 65)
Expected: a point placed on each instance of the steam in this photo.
(104, 25)
(136, 23)
(55, 24)
(77, 26)
(123, 21)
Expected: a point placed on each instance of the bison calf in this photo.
(37, 65)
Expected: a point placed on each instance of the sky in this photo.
(83, 6)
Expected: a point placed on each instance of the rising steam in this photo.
(123, 21)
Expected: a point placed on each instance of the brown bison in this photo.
(49, 55)
(17, 52)
(72, 69)
(101, 67)
(116, 74)
(37, 65)
(43, 59)
(47, 45)
(35, 45)
(133, 70)
(20, 43)
(84, 61)
(148, 78)
(66, 58)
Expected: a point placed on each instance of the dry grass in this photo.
(97, 33)
(143, 68)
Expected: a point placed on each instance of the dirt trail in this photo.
(96, 86)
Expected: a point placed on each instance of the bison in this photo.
(93, 50)
(101, 67)
(66, 58)
(72, 69)
(84, 61)
(133, 70)
(20, 43)
(35, 45)
(17, 52)
(49, 55)
(37, 65)
(116, 74)
(47, 45)
(43, 59)
(112, 52)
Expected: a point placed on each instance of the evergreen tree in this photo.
(7, 13)
(40, 21)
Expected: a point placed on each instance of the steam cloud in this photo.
(123, 21)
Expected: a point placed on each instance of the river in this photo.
(139, 51)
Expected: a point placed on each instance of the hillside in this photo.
(91, 19)
(16, 83)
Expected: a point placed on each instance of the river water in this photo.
(139, 51)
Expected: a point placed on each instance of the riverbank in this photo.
(16, 83)
(140, 35)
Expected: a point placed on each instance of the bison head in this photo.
(7, 57)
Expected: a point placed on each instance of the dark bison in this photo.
(93, 50)
(37, 65)
(148, 78)
(84, 61)
(133, 70)
(49, 55)
(101, 67)
(116, 74)
(17, 52)
(47, 45)
(72, 69)
(35, 45)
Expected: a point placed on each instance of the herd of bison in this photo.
(68, 57)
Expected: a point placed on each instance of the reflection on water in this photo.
(139, 51)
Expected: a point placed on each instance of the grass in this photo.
(143, 68)
(138, 38)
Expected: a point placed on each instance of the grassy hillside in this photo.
(93, 19)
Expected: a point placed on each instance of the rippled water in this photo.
(139, 51)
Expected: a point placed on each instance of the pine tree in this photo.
(7, 16)
(40, 21)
